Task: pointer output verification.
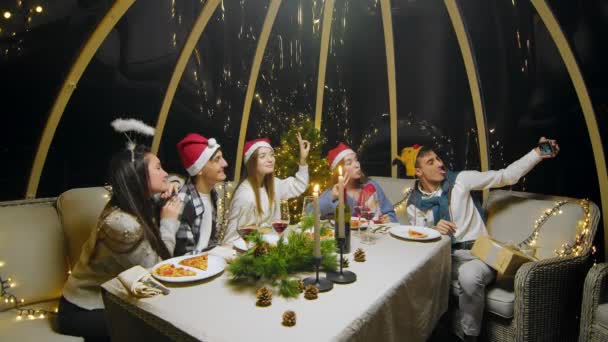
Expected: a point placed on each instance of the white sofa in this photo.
(39, 241)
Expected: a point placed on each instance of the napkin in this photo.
(138, 281)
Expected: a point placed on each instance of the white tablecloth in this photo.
(400, 293)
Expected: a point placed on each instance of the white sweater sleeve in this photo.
(241, 212)
(168, 230)
(292, 186)
(476, 180)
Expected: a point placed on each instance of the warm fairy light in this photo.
(1, 262)
(316, 188)
(7, 15)
(38, 9)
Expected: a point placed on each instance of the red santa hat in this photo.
(337, 154)
(252, 145)
(195, 151)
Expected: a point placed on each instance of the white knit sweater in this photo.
(116, 245)
(242, 208)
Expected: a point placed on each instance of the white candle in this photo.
(340, 204)
(315, 201)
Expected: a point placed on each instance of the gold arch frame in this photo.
(67, 89)
(473, 77)
(387, 24)
(328, 11)
(193, 37)
(574, 71)
(273, 9)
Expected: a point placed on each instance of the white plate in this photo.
(241, 245)
(402, 232)
(215, 265)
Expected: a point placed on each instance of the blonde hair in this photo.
(251, 175)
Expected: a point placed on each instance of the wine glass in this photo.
(369, 210)
(280, 225)
(357, 213)
(246, 222)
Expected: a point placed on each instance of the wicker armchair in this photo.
(542, 301)
(594, 310)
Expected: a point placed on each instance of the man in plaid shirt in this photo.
(203, 160)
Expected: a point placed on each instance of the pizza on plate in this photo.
(199, 262)
(416, 235)
(169, 270)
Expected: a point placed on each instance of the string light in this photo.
(402, 204)
(583, 235)
(225, 189)
(16, 303)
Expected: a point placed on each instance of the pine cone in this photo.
(311, 292)
(289, 318)
(345, 263)
(359, 255)
(261, 249)
(264, 297)
(301, 286)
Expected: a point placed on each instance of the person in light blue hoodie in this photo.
(360, 190)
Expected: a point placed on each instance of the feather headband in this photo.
(132, 125)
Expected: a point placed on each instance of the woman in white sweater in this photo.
(128, 233)
(257, 199)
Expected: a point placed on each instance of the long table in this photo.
(400, 293)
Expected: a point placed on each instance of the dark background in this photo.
(525, 87)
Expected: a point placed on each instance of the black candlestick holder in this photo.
(342, 277)
(321, 283)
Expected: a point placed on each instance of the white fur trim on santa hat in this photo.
(198, 165)
(254, 147)
(341, 156)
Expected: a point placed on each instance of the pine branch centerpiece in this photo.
(279, 264)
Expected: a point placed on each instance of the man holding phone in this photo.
(442, 200)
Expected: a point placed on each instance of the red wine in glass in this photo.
(245, 232)
(279, 226)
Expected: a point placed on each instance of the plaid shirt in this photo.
(190, 222)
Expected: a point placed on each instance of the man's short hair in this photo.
(424, 150)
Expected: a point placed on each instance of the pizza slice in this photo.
(169, 270)
(416, 235)
(200, 262)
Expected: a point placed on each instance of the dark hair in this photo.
(424, 150)
(129, 178)
(250, 174)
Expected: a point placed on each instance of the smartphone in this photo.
(546, 148)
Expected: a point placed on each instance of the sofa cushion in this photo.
(601, 315)
(39, 329)
(79, 210)
(512, 214)
(395, 189)
(32, 249)
(500, 299)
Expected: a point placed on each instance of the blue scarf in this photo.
(440, 204)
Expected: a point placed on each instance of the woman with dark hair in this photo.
(257, 199)
(129, 232)
(360, 190)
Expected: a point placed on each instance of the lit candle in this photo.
(315, 201)
(340, 204)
